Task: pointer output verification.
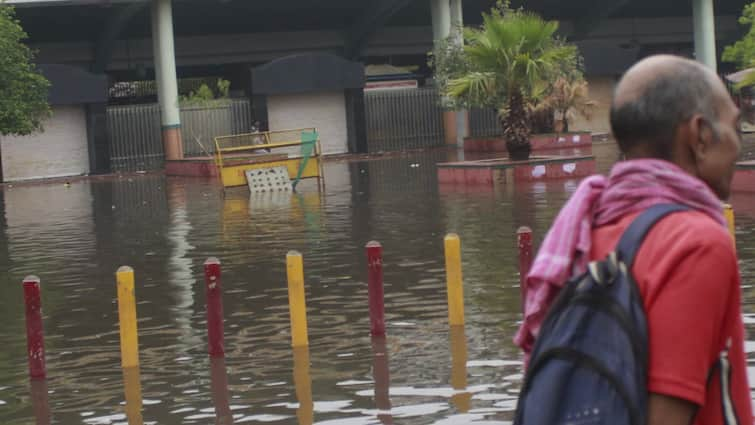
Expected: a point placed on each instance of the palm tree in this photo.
(570, 98)
(511, 59)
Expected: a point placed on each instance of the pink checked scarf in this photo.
(632, 186)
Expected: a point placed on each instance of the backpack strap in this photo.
(722, 368)
(632, 238)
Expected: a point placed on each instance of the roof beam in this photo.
(601, 9)
(373, 18)
(116, 22)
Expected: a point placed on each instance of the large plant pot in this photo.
(518, 151)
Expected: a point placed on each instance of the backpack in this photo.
(589, 363)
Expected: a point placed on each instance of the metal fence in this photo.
(396, 120)
(136, 136)
(403, 119)
(144, 91)
(201, 124)
(484, 122)
(409, 119)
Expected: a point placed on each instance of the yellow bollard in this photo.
(454, 280)
(296, 302)
(729, 214)
(127, 317)
(133, 388)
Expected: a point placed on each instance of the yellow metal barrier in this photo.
(729, 214)
(236, 154)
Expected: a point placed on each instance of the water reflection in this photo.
(458, 340)
(382, 379)
(59, 215)
(40, 401)
(303, 386)
(133, 389)
(219, 384)
(181, 276)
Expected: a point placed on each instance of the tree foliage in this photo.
(508, 64)
(448, 61)
(569, 98)
(513, 51)
(205, 96)
(23, 90)
(743, 51)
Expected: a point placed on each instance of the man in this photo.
(257, 137)
(677, 128)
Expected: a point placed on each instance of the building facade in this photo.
(125, 41)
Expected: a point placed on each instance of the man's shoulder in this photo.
(687, 246)
(689, 230)
(681, 231)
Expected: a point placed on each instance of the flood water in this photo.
(75, 238)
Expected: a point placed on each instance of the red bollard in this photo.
(375, 288)
(214, 307)
(524, 241)
(35, 340)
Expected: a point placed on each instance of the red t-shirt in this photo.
(688, 276)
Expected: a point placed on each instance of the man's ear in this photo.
(700, 135)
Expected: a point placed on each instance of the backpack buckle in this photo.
(605, 272)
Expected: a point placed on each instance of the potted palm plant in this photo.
(509, 64)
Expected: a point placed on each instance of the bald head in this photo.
(656, 96)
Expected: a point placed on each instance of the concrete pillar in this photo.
(156, 48)
(165, 73)
(447, 17)
(441, 14)
(705, 32)
(457, 21)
